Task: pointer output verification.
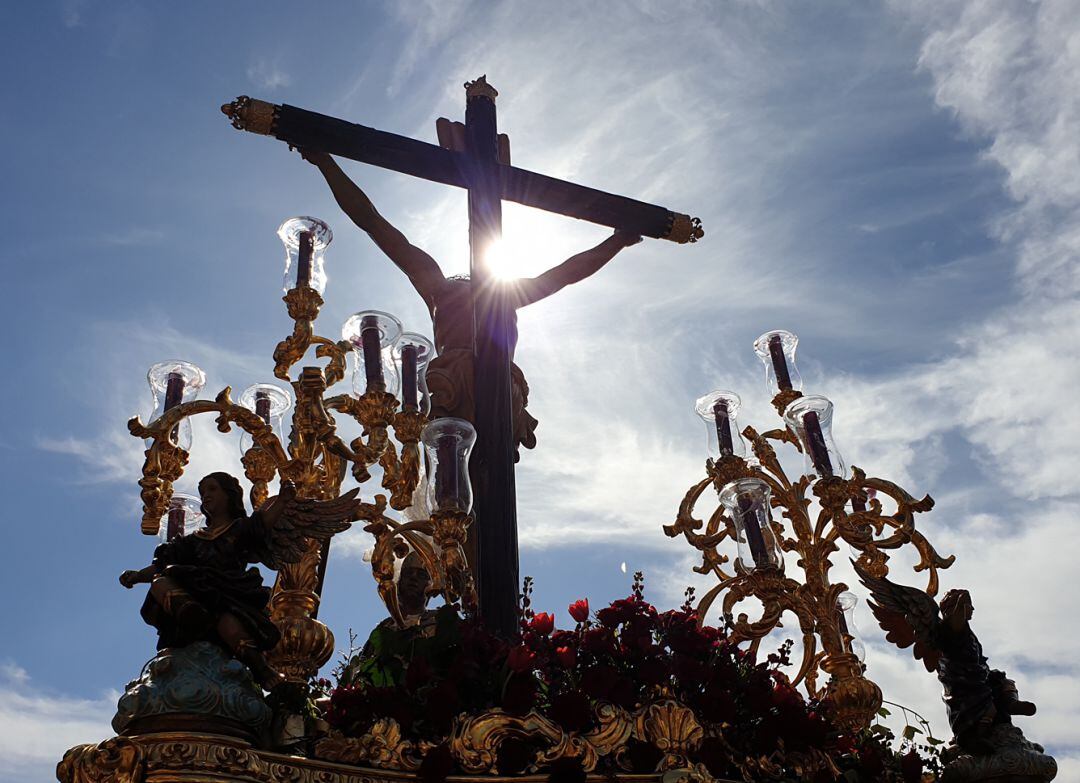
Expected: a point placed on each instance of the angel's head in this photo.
(957, 603)
(413, 582)
(222, 497)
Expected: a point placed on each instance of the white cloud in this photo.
(36, 727)
(267, 75)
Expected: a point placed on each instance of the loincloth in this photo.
(450, 384)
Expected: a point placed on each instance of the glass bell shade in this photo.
(305, 240)
(810, 418)
(776, 349)
(447, 445)
(373, 335)
(172, 383)
(849, 634)
(270, 402)
(184, 517)
(747, 503)
(719, 409)
(413, 352)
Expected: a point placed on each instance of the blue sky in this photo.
(896, 183)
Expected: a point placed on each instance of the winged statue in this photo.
(203, 586)
(978, 699)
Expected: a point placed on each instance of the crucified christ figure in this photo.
(449, 300)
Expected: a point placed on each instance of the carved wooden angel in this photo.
(977, 698)
(201, 585)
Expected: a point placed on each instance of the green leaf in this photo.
(910, 732)
(884, 712)
(934, 741)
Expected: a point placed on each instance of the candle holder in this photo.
(372, 335)
(184, 516)
(305, 240)
(172, 383)
(719, 410)
(270, 403)
(413, 352)
(776, 349)
(849, 507)
(810, 419)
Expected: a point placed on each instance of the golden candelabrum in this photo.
(314, 457)
(848, 509)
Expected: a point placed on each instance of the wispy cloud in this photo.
(268, 75)
(36, 726)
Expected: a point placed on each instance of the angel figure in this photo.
(978, 699)
(203, 586)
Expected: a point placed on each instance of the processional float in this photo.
(486, 687)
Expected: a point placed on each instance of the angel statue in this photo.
(201, 585)
(980, 701)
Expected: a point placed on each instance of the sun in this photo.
(532, 242)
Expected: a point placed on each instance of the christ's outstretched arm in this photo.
(422, 270)
(573, 269)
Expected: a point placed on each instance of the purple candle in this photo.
(815, 444)
(174, 390)
(303, 258)
(754, 537)
(776, 353)
(370, 337)
(262, 406)
(409, 399)
(175, 527)
(723, 428)
(446, 474)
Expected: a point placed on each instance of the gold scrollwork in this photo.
(848, 510)
(116, 760)
(683, 228)
(251, 114)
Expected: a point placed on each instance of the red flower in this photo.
(579, 610)
(911, 767)
(543, 623)
(521, 658)
(567, 657)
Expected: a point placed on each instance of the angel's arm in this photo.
(574, 269)
(271, 510)
(422, 270)
(142, 576)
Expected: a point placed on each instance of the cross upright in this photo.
(475, 157)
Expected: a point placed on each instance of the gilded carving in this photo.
(116, 760)
(683, 228)
(251, 114)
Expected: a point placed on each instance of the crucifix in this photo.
(476, 157)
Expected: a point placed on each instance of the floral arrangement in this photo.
(756, 725)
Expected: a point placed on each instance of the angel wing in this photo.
(298, 519)
(906, 614)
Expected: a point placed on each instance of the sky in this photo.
(897, 183)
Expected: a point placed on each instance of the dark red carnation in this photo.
(911, 766)
(566, 656)
(519, 695)
(521, 658)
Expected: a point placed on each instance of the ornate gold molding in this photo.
(684, 229)
(479, 88)
(251, 114)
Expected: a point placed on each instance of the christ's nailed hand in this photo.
(316, 157)
(626, 238)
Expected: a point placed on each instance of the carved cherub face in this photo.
(957, 602)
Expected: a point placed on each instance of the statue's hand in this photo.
(130, 578)
(626, 238)
(315, 157)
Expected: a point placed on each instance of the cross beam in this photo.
(478, 169)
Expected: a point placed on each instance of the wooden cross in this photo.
(475, 157)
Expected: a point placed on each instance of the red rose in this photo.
(567, 656)
(543, 623)
(911, 767)
(521, 658)
(579, 610)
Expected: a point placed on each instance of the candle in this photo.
(408, 377)
(303, 258)
(815, 444)
(174, 390)
(446, 474)
(175, 527)
(758, 550)
(776, 352)
(723, 428)
(262, 405)
(845, 634)
(370, 337)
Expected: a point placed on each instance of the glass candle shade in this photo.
(305, 240)
(373, 335)
(447, 444)
(413, 352)
(747, 503)
(849, 634)
(719, 409)
(184, 517)
(270, 402)
(172, 383)
(776, 349)
(810, 418)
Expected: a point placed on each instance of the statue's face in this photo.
(412, 590)
(214, 500)
(958, 602)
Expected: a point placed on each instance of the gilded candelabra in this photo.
(848, 509)
(315, 458)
